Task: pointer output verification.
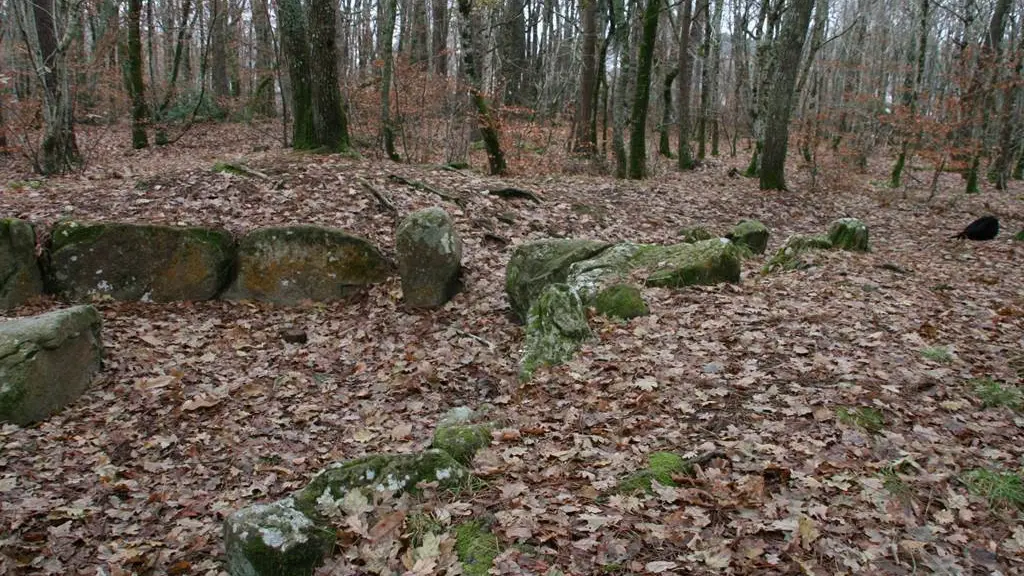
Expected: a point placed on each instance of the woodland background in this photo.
(430, 81)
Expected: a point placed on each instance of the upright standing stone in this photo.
(20, 278)
(46, 361)
(429, 253)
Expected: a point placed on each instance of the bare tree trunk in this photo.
(585, 140)
(488, 123)
(219, 49)
(716, 53)
(47, 31)
(263, 96)
(988, 62)
(387, 33)
(912, 88)
(440, 16)
(1011, 124)
(638, 132)
(136, 88)
(664, 146)
(620, 18)
(685, 158)
(705, 80)
(780, 105)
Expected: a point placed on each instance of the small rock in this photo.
(294, 336)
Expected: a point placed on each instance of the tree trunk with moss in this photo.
(295, 45)
(638, 133)
(330, 125)
(780, 105)
(486, 118)
(585, 138)
(911, 89)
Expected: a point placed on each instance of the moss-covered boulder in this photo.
(791, 255)
(705, 262)
(661, 466)
(1019, 236)
(750, 233)
(535, 265)
(289, 264)
(623, 301)
(695, 234)
(476, 547)
(849, 234)
(381, 472)
(462, 440)
(20, 277)
(275, 539)
(138, 261)
(555, 329)
(592, 276)
(47, 361)
(429, 254)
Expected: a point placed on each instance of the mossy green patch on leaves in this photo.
(869, 419)
(661, 466)
(477, 548)
(998, 488)
(994, 394)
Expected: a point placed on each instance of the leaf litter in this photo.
(202, 408)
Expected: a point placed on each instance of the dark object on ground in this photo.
(294, 336)
(733, 172)
(515, 193)
(984, 228)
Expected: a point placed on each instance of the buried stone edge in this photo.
(292, 536)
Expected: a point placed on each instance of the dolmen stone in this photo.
(849, 234)
(750, 233)
(20, 276)
(47, 361)
(429, 254)
(294, 535)
(289, 264)
(551, 283)
(138, 261)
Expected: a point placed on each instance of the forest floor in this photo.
(844, 406)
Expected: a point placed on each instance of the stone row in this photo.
(284, 265)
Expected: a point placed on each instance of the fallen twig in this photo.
(461, 202)
(380, 196)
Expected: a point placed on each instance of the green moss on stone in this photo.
(695, 234)
(849, 234)
(789, 256)
(275, 540)
(462, 441)
(706, 262)
(752, 234)
(476, 547)
(536, 265)
(621, 301)
(556, 326)
(394, 473)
